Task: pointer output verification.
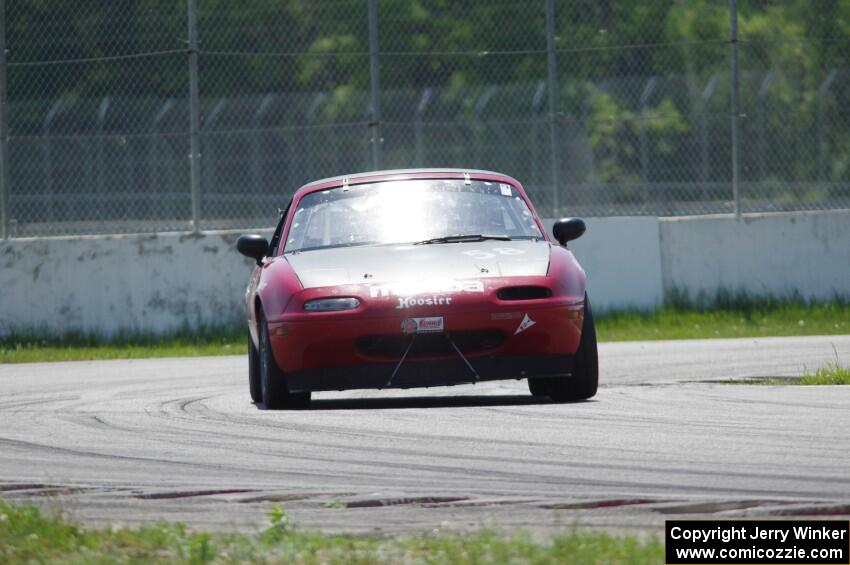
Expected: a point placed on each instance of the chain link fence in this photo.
(599, 107)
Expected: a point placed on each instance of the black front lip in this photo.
(425, 373)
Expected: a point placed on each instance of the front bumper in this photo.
(425, 373)
(327, 341)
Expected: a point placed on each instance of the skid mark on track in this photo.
(715, 507)
(293, 497)
(598, 504)
(118, 457)
(827, 510)
(188, 494)
(483, 502)
(15, 405)
(19, 490)
(24, 486)
(404, 500)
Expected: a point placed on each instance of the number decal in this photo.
(479, 254)
(508, 251)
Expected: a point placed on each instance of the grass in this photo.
(29, 536)
(723, 317)
(29, 348)
(677, 322)
(830, 374)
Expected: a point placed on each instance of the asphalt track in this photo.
(130, 441)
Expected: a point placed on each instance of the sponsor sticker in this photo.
(432, 324)
(411, 301)
(425, 287)
(526, 323)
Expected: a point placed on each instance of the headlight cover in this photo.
(331, 304)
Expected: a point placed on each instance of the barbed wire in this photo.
(635, 117)
(427, 53)
(99, 59)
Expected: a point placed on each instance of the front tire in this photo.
(584, 381)
(275, 393)
(254, 384)
(538, 387)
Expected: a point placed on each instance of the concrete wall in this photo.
(163, 282)
(781, 254)
(149, 283)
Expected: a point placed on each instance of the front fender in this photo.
(572, 280)
(278, 284)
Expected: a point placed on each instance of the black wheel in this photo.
(585, 378)
(275, 393)
(254, 384)
(538, 387)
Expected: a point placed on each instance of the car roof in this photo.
(402, 174)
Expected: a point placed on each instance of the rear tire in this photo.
(275, 393)
(584, 381)
(254, 384)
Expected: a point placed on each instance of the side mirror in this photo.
(254, 246)
(568, 229)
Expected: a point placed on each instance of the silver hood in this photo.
(413, 263)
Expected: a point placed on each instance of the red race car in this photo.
(416, 278)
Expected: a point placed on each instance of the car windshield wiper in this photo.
(462, 238)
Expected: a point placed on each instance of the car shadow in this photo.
(403, 402)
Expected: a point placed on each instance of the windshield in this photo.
(407, 212)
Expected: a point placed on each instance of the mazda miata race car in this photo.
(416, 278)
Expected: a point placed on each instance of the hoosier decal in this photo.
(411, 301)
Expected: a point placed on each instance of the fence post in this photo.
(194, 118)
(256, 123)
(310, 117)
(375, 81)
(552, 79)
(47, 157)
(102, 110)
(479, 126)
(153, 150)
(209, 174)
(418, 134)
(648, 89)
(821, 145)
(536, 104)
(707, 93)
(5, 213)
(733, 40)
(760, 103)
